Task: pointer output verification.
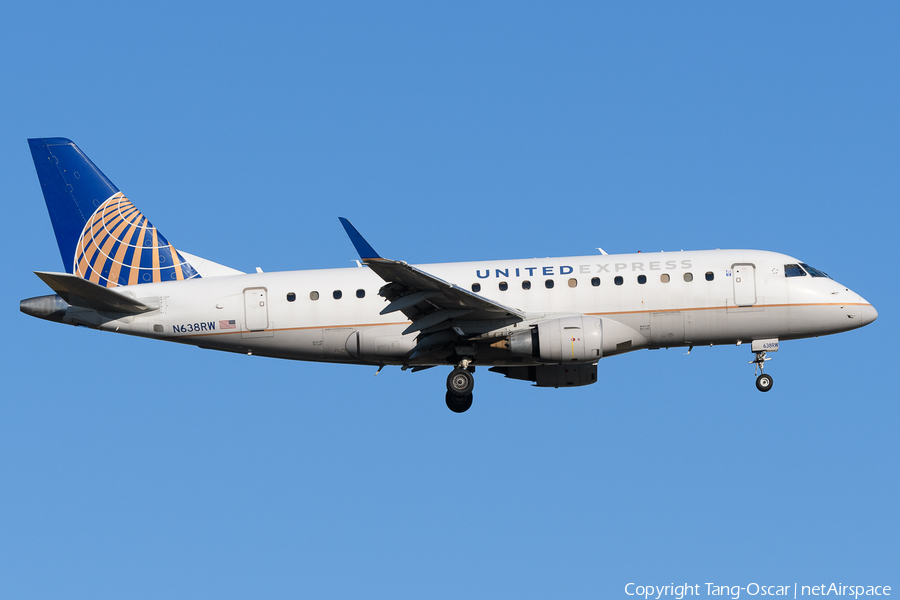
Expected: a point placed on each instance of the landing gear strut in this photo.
(460, 383)
(763, 382)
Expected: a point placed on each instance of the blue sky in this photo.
(463, 131)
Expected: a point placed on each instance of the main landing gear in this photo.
(763, 382)
(460, 383)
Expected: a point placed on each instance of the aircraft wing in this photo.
(444, 313)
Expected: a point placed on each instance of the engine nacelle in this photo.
(575, 339)
(568, 339)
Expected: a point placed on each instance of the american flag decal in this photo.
(230, 324)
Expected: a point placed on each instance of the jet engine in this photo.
(574, 339)
(568, 339)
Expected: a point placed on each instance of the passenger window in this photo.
(573, 282)
(337, 294)
(595, 281)
(642, 279)
(688, 277)
(710, 276)
(476, 287)
(314, 295)
(793, 271)
(360, 293)
(618, 280)
(664, 278)
(291, 297)
(504, 286)
(526, 285)
(548, 284)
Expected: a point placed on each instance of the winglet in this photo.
(366, 252)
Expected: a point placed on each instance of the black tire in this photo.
(460, 382)
(764, 382)
(459, 404)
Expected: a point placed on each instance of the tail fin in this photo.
(102, 237)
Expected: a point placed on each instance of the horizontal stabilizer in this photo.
(81, 292)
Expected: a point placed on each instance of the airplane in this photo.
(548, 321)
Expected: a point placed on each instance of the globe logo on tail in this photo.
(119, 246)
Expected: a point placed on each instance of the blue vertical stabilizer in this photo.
(102, 236)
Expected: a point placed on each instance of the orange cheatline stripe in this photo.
(232, 332)
(589, 314)
(636, 312)
(814, 304)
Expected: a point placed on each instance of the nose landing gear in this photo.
(460, 383)
(763, 382)
(760, 347)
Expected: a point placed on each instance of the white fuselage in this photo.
(662, 300)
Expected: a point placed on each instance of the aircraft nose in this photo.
(868, 314)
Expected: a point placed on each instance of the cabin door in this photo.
(256, 309)
(744, 285)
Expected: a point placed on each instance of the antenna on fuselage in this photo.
(603, 252)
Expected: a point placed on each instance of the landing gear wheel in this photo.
(764, 383)
(460, 382)
(459, 404)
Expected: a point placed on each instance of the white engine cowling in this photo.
(568, 339)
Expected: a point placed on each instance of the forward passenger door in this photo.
(744, 285)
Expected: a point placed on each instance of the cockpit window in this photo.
(814, 272)
(793, 271)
